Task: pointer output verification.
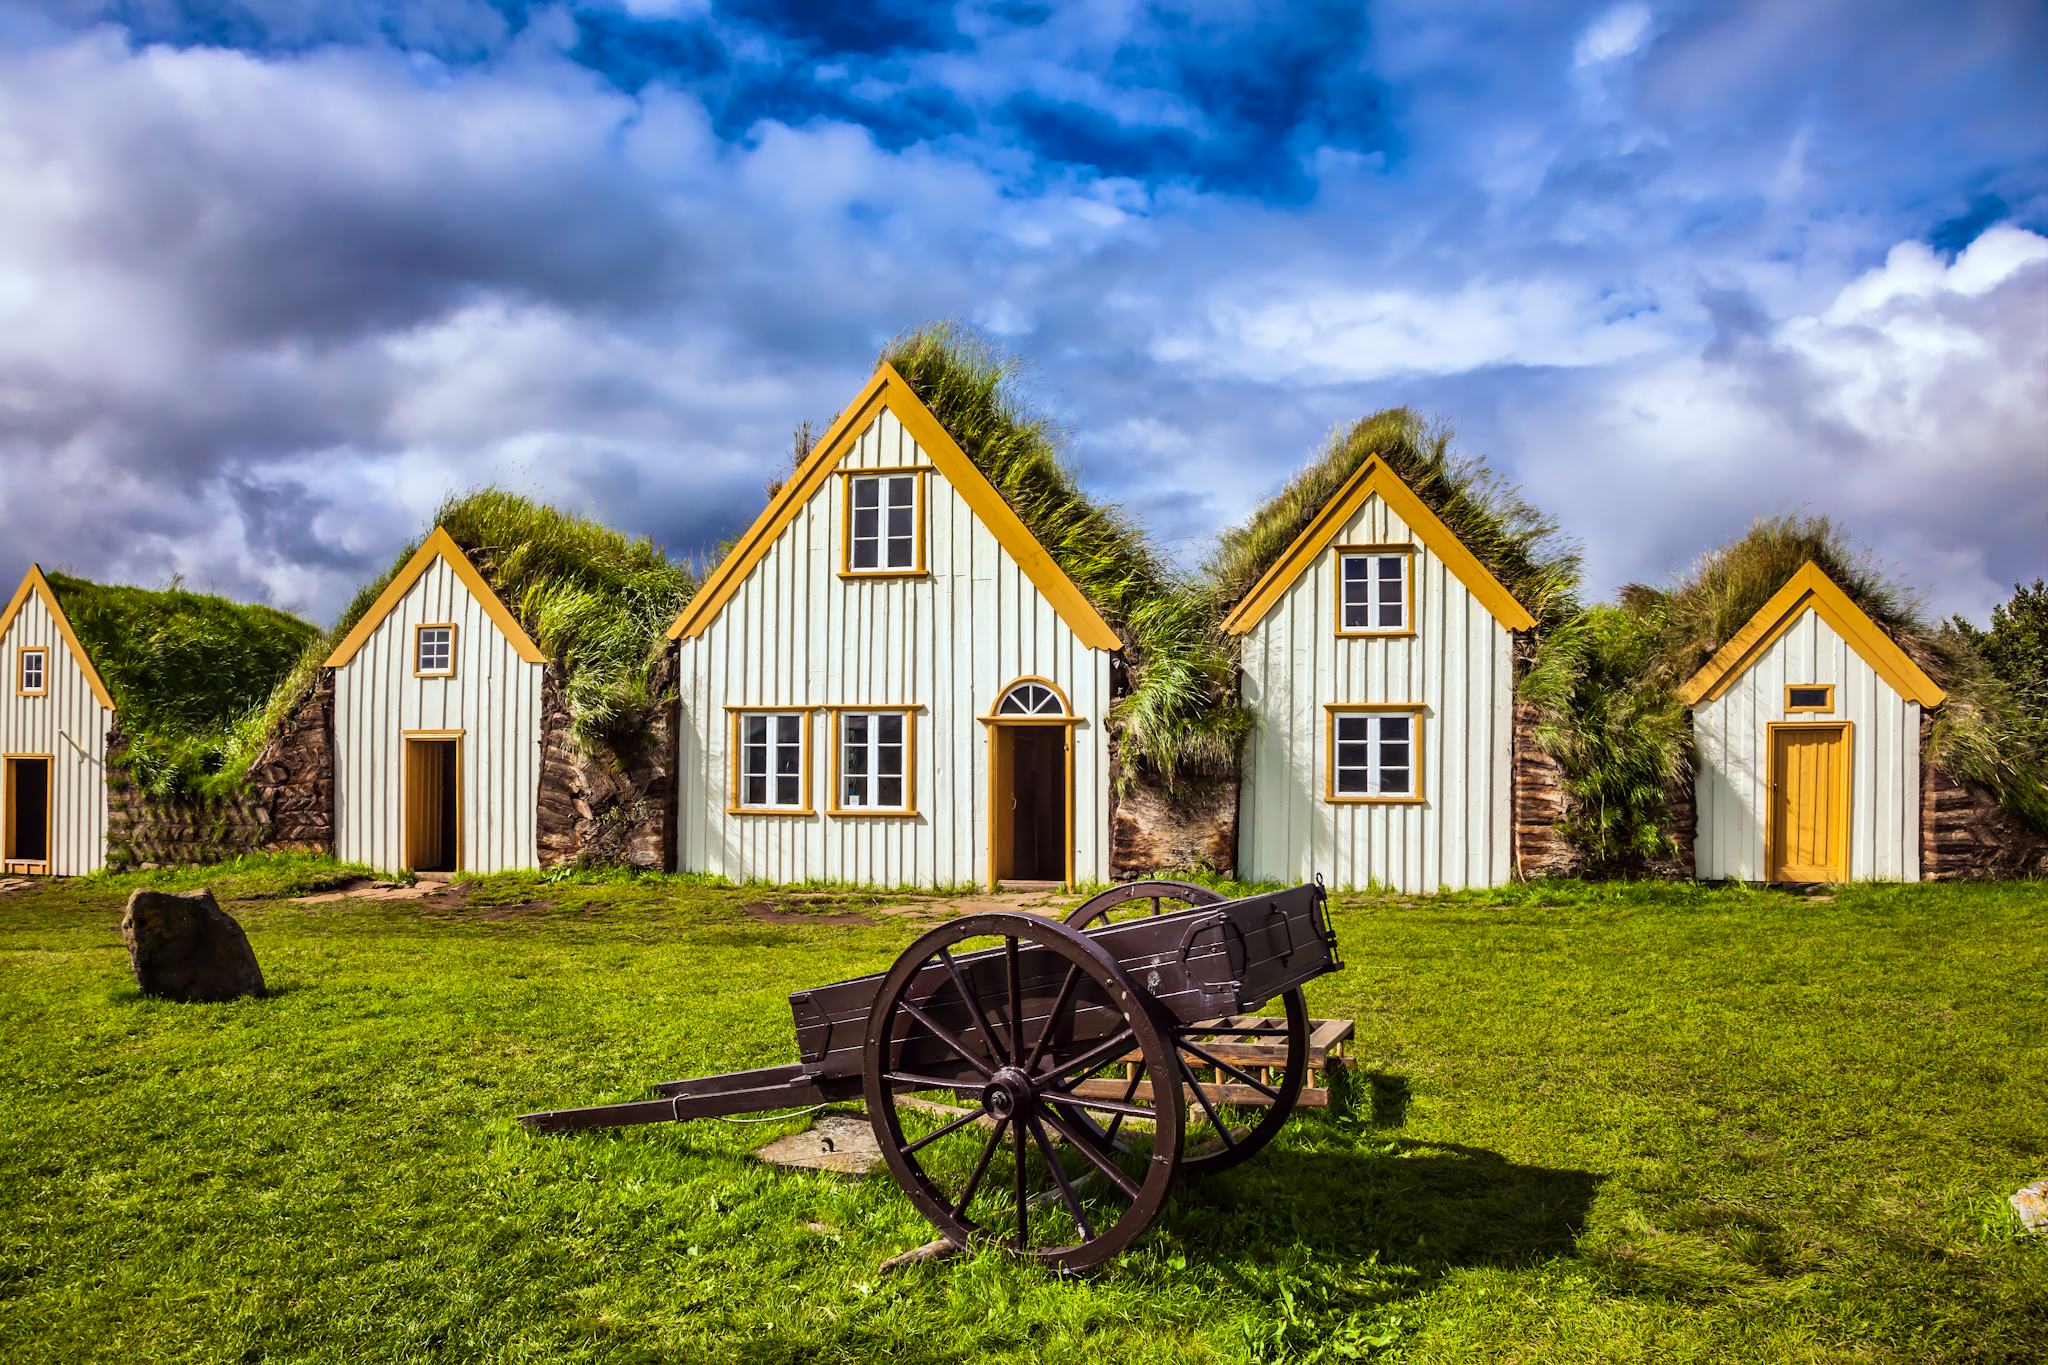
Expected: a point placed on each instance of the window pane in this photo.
(788, 759)
(890, 792)
(1351, 781)
(864, 552)
(1390, 615)
(855, 760)
(1351, 728)
(785, 791)
(788, 729)
(866, 492)
(1355, 568)
(1394, 755)
(866, 524)
(1356, 617)
(1390, 567)
(855, 728)
(902, 553)
(1809, 696)
(890, 729)
(1394, 782)
(903, 490)
(1351, 755)
(856, 789)
(1393, 728)
(755, 728)
(899, 521)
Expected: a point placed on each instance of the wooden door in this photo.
(29, 815)
(1002, 802)
(427, 800)
(1809, 791)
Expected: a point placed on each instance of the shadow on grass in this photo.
(1391, 1218)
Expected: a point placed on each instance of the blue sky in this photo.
(275, 276)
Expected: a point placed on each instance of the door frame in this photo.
(994, 724)
(31, 866)
(1845, 822)
(406, 739)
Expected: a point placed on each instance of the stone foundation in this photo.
(611, 811)
(1966, 835)
(1152, 833)
(293, 778)
(1540, 805)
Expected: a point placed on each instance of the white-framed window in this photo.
(873, 750)
(771, 765)
(1031, 699)
(1372, 592)
(33, 680)
(433, 651)
(1375, 754)
(883, 523)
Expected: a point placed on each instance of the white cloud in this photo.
(1617, 33)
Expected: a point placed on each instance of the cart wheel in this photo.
(1011, 1013)
(1219, 1133)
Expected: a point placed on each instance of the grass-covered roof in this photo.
(1607, 685)
(1181, 718)
(595, 600)
(183, 667)
(1518, 544)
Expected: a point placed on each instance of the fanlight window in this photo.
(1031, 699)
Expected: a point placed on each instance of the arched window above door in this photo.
(1028, 697)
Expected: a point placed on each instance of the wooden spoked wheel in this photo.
(1222, 1126)
(978, 1038)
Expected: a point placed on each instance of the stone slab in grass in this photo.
(183, 946)
(839, 1143)
(2031, 1203)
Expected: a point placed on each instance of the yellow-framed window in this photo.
(1374, 753)
(1375, 590)
(1809, 698)
(32, 672)
(433, 650)
(874, 761)
(771, 761)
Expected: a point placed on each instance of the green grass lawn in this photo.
(1592, 1123)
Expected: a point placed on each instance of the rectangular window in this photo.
(1375, 755)
(1372, 593)
(433, 652)
(1810, 697)
(883, 523)
(874, 755)
(771, 767)
(34, 679)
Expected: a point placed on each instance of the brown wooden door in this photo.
(431, 810)
(28, 814)
(1809, 818)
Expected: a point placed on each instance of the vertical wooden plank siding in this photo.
(1458, 667)
(1732, 733)
(67, 723)
(493, 699)
(797, 634)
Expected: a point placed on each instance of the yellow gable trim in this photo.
(1376, 477)
(34, 582)
(888, 389)
(438, 545)
(1811, 590)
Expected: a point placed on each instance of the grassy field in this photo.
(1596, 1123)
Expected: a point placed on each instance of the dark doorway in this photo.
(433, 786)
(1031, 803)
(28, 811)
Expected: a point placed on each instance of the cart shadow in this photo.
(1404, 1212)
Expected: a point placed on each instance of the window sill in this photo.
(1374, 800)
(771, 810)
(864, 813)
(856, 575)
(1343, 634)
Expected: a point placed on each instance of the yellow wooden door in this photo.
(1809, 826)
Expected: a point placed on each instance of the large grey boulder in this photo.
(183, 946)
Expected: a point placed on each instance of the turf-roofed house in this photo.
(491, 696)
(1378, 657)
(121, 718)
(890, 680)
(437, 724)
(1806, 726)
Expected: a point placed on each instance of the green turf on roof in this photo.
(1181, 719)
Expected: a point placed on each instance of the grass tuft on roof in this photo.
(184, 669)
(597, 602)
(1520, 545)
(1181, 719)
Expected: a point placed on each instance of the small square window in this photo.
(434, 651)
(772, 766)
(884, 523)
(1372, 597)
(34, 677)
(1373, 755)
